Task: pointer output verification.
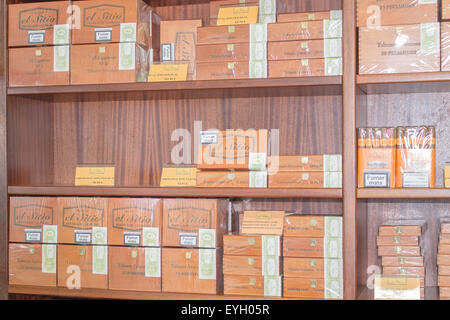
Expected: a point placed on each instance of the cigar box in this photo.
(445, 227)
(252, 285)
(447, 172)
(134, 221)
(109, 63)
(232, 179)
(444, 238)
(82, 220)
(312, 268)
(402, 261)
(33, 219)
(178, 39)
(117, 21)
(252, 265)
(397, 241)
(445, 10)
(233, 149)
(373, 13)
(399, 49)
(400, 230)
(308, 49)
(305, 68)
(312, 226)
(39, 23)
(315, 288)
(444, 292)
(444, 270)
(32, 264)
(312, 247)
(39, 66)
(444, 281)
(242, 245)
(194, 222)
(285, 180)
(223, 34)
(416, 157)
(376, 157)
(310, 16)
(444, 249)
(319, 163)
(445, 58)
(305, 30)
(443, 260)
(399, 277)
(222, 70)
(215, 6)
(135, 269)
(232, 52)
(396, 251)
(191, 270)
(89, 262)
(410, 271)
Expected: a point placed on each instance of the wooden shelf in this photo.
(181, 85)
(403, 193)
(174, 192)
(118, 294)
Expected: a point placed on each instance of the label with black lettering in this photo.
(377, 179)
(416, 180)
(103, 34)
(167, 52)
(188, 239)
(209, 137)
(132, 238)
(83, 236)
(33, 235)
(36, 37)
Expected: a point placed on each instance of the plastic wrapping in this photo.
(445, 45)
(233, 149)
(109, 63)
(223, 34)
(399, 49)
(39, 66)
(222, 70)
(252, 265)
(135, 269)
(215, 6)
(320, 163)
(447, 175)
(312, 226)
(134, 221)
(397, 241)
(445, 10)
(410, 271)
(393, 12)
(403, 227)
(251, 245)
(312, 268)
(117, 21)
(444, 270)
(285, 180)
(376, 157)
(32, 264)
(178, 39)
(396, 251)
(313, 288)
(253, 285)
(192, 270)
(306, 30)
(83, 266)
(232, 179)
(310, 16)
(402, 261)
(198, 223)
(308, 49)
(82, 220)
(34, 24)
(327, 247)
(33, 219)
(223, 53)
(305, 68)
(416, 156)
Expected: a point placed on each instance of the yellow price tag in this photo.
(237, 15)
(168, 72)
(179, 177)
(95, 176)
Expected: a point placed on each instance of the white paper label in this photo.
(188, 239)
(257, 161)
(336, 14)
(332, 248)
(132, 238)
(127, 56)
(378, 179)
(257, 69)
(268, 7)
(267, 18)
(333, 227)
(83, 236)
(207, 238)
(270, 266)
(153, 262)
(167, 52)
(36, 36)
(258, 179)
(416, 180)
(258, 32)
(332, 162)
(334, 289)
(427, 2)
(49, 258)
(33, 235)
(50, 234)
(333, 269)
(430, 38)
(333, 66)
(271, 245)
(61, 34)
(209, 137)
(332, 28)
(332, 179)
(207, 264)
(128, 32)
(103, 34)
(61, 56)
(272, 286)
(100, 260)
(99, 235)
(332, 48)
(150, 237)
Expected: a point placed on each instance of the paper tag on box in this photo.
(50, 234)
(49, 258)
(271, 245)
(168, 72)
(150, 236)
(270, 266)
(153, 262)
(95, 176)
(178, 177)
(61, 34)
(100, 260)
(127, 54)
(61, 58)
(396, 288)
(33, 235)
(207, 264)
(272, 286)
(334, 289)
(263, 222)
(237, 15)
(207, 238)
(128, 32)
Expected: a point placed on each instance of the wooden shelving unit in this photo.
(46, 131)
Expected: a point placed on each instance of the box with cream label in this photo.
(310, 16)
(327, 247)
(33, 219)
(39, 66)
(305, 68)
(445, 47)
(313, 288)
(32, 264)
(312, 226)
(82, 220)
(282, 180)
(39, 23)
(304, 30)
(313, 268)
(231, 179)
(243, 245)
(308, 49)
(134, 221)
(309, 163)
(194, 222)
(252, 265)
(261, 286)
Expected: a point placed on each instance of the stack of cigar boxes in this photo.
(312, 257)
(232, 159)
(401, 251)
(398, 36)
(305, 44)
(443, 261)
(312, 171)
